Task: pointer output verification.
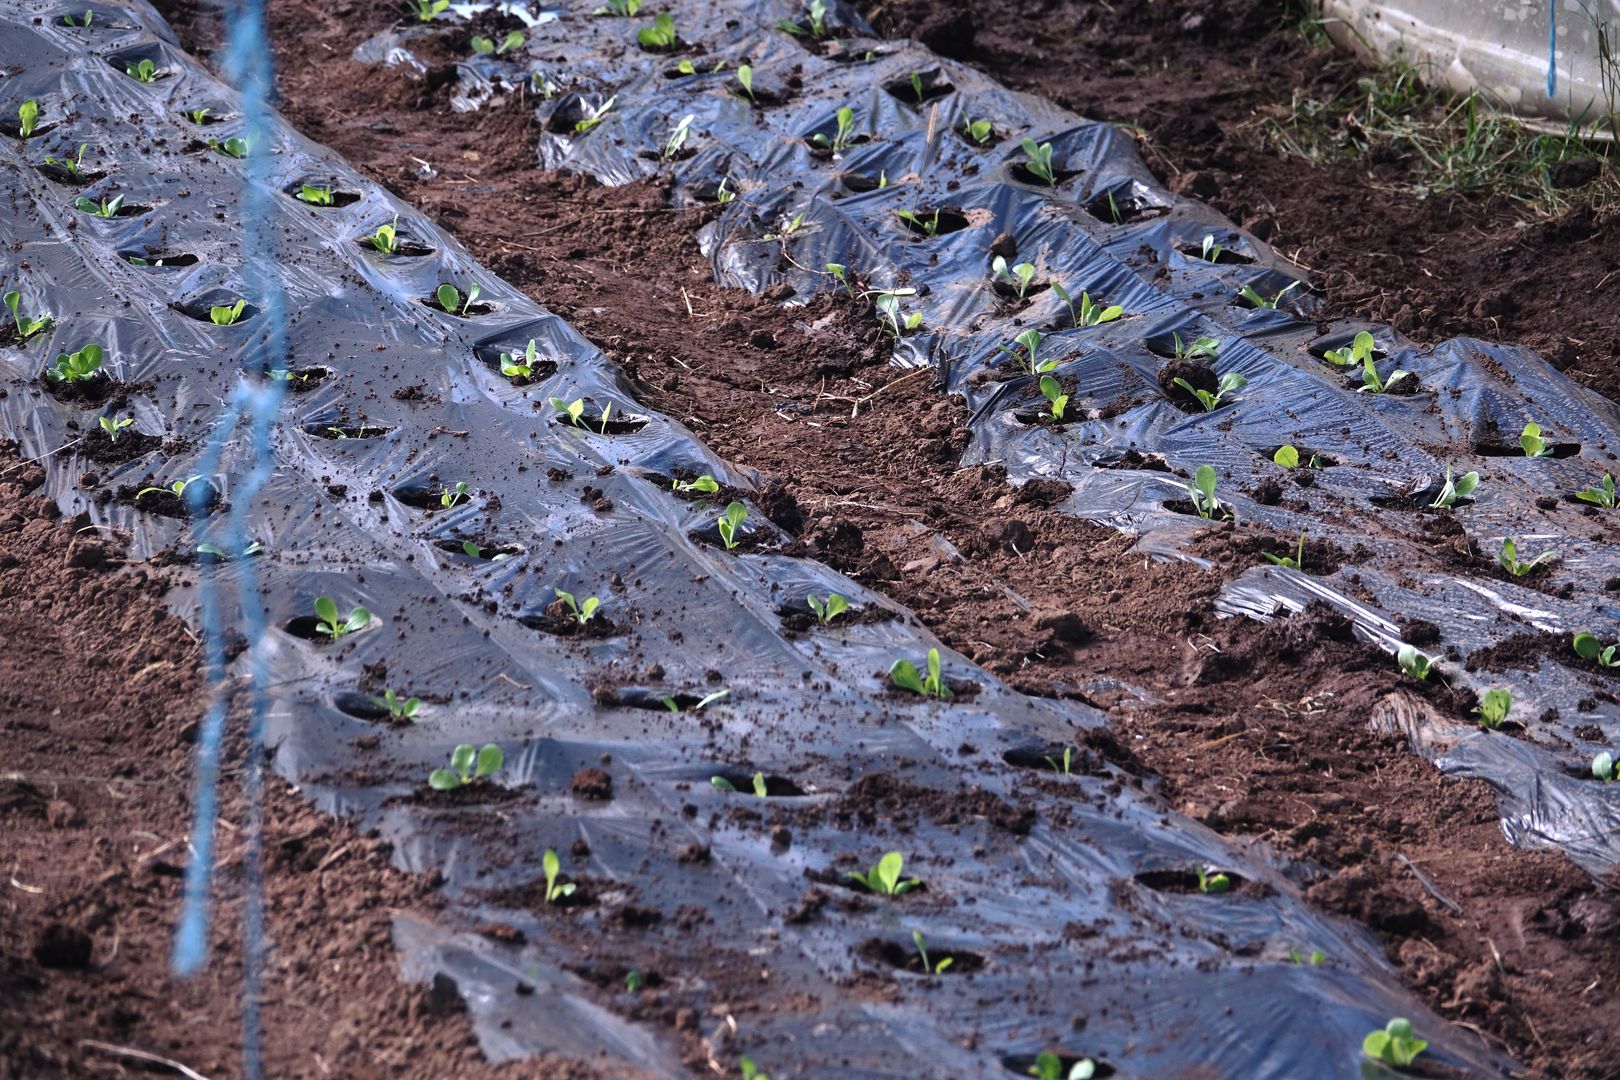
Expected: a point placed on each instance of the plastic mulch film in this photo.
(926, 135)
(1066, 901)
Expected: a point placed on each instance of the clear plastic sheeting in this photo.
(1052, 892)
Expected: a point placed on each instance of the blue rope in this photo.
(255, 404)
(1552, 48)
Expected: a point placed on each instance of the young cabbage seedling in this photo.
(829, 609)
(707, 699)
(1023, 273)
(932, 969)
(1253, 297)
(76, 366)
(1494, 706)
(484, 46)
(1395, 1044)
(1030, 342)
(521, 365)
(1212, 881)
(1048, 1066)
(101, 208)
(1038, 160)
(660, 35)
(450, 496)
(842, 137)
(731, 522)
(633, 982)
(1587, 647)
(399, 708)
(328, 621)
(84, 21)
(840, 274)
(1508, 558)
(426, 10)
(315, 196)
(472, 550)
(978, 130)
(582, 613)
(574, 410)
(678, 136)
(1202, 490)
(1455, 490)
(1092, 314)
(1209, 250)
(1056, 400)
(27, 326)
(1372, 383)
(1229, 382)
(1357, 354)
(226, 314)
(450, 300)
(749, 1070)
(1315, 958)
(198, 116)
(885, 877)
(625, 9)
(178, 488)
(27, 117)
(73, 166)
(745, 77)
(552, 866)
(1201, 348)
(466, 766)
(386, 238)
(903, 673)
(1531, 442)
(594, 115)
(233, 147)
(113, 428)
(917, 85)
(1414, 663)
(1296, 561)
(703, 485)
(1601, 495)
(928, 226)
(1605, 768)
(145, 71)
(888, 309)
(759, 785)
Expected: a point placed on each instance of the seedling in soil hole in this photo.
(745, 76)
(1414, 663)
(594, 116)
(817, 17)
(315, 196)
(1211, 882)
(632, 982)
(1395, 1045)
(731, 522)
(399, 708)
(661, 34)
(789, 229)
(932, 969)
(1295, 561)
(707, 699)
(1039, 160)
(484, 46)
(928, 225)
(27, 117)
(904, 674)
(217, 552)
(1092, 314)
(1532, 443)
(27, 326)
(68, 20)
(750, 1071)
(145, 71)
(978, 130)
(843, 136)
(1315, 958)
(917, 85)
(386, 238)
(1229, 382)
(575, 411)
(678, 136)
(554, 892)
(840, 274)
(1210, 251)
(1588, 647)
(178, 488)
(723, 784)
(233, 147)
(426, 9)
(1604, 768)
(1057, 401)
(885, 876)
(1201, 348)
(1370, 381)
(1248, 293)
(226, 314)
(199, 116)
(76, 367)
(112, 428)
(888, 309)
(449, 298)
(1509, 560)
(1048, 1066)
(101, 208)
(476, 552)
(1023, 273)
(625, 9)
(1202, 490)
(466, 766)
(1357, 354)
(1494, 706)
(328, 622)
(582, 613)
(1287, 456)
(521, 365)
(449, 496)
(1065, 764)
(705, 485)
(1602, 495)
(1454, 490)
(829, 609)
(73, 166)
(1030, 341)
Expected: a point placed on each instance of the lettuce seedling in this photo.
(731, 522)
(1030, 341)
(1508, 558)
(145, 71)
(1229, 382)
(704, 485)
(1248, 293)
(1532, 443)
(1371, 383)
(427, 9)
(745, 76)
(466, 766)
(449, 496)
(1202, 490)
(552, 866)
(1056, 400)
(1048, 1066)
(399, 708)
(1095, 314)
(315, 196)
(1357, 354)
(199, 116)
(1023, 273)
(1604, 767)
(101, 208)
(1201, 348)
(929, 226)
(27, 117)
(484, 46)
(1212, 881)
(888, 309)
(73, 166)
(1414, 663)
(625, 9)
(1602, 495)
(661, 34)
(226, 314)
(1395, 1045)
(678, 136)
(1454, 490)
(1588, 647)
(450, 300)
(723, 784)
(1039, 160)
(829, 609)
(594, 116)
(1296, 561)
(178, 488)
(885, 878)
(843, 136)
(903, 673)
(582, 613)
(329, 622)
(932, 969)
(978, 130)
(77, 366)
(27, 326)
(113, 428)
(386, 238)
(521, 365)
(574, 410)
(233, 147)
(1494, 706)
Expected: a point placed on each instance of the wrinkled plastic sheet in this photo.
(1080, 954)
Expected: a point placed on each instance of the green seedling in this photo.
(1201, 348)
(521, 365)
(888, 309)
(315, 196)
(1601, 495)
(625, 9)
(329, 622)
(1209, 250)
(1056, 400)
(917, 86)
(233, 147)
(1202, 490)
(1064, 765)
(792, 227)
(932, 969)
(1296, 561)
(83, 21)
(1508, 559)
(217, 552)
(723, 784)
(1113, 208)
(678, 136)
(27, 326)
(177, 489)
(594, 115)
(145, 71)
(1587, 647)
(1092, 314)
(928, 226)
(1494, 706)
(633, 982)
(843, 136)
(582, 613)
(1038, 160)
(1030, 342)
(386, 238)
(731, 522)
(978, 130)
(226, 314)
(1248, 293)
(749, 1070)
(1212, 881)
(1229, 382)
(399, 708)
(1023, 273)
(1357, 354)
(1414, 663)
(660, 35)
(484, 46)
(1452, 491)
(1532, 443)
(1395, 1044)
(885, 876)
(829, 609)
(73, 166)
(1048, 1066)
(198, 116)
(552, 866)
(1372, 383)
(703, 485)
(1604, 767)
(472, 550)
(450, 299)
(840, 274)
(904, 674)
(76, 366)
(466, 766)
(707, 699)
(427, 10)
(574, 410)
(27, 117)
(745, 77)
(113, 428)
(1315, 958)
(449, 496)
(818, 18)
(101, 208)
